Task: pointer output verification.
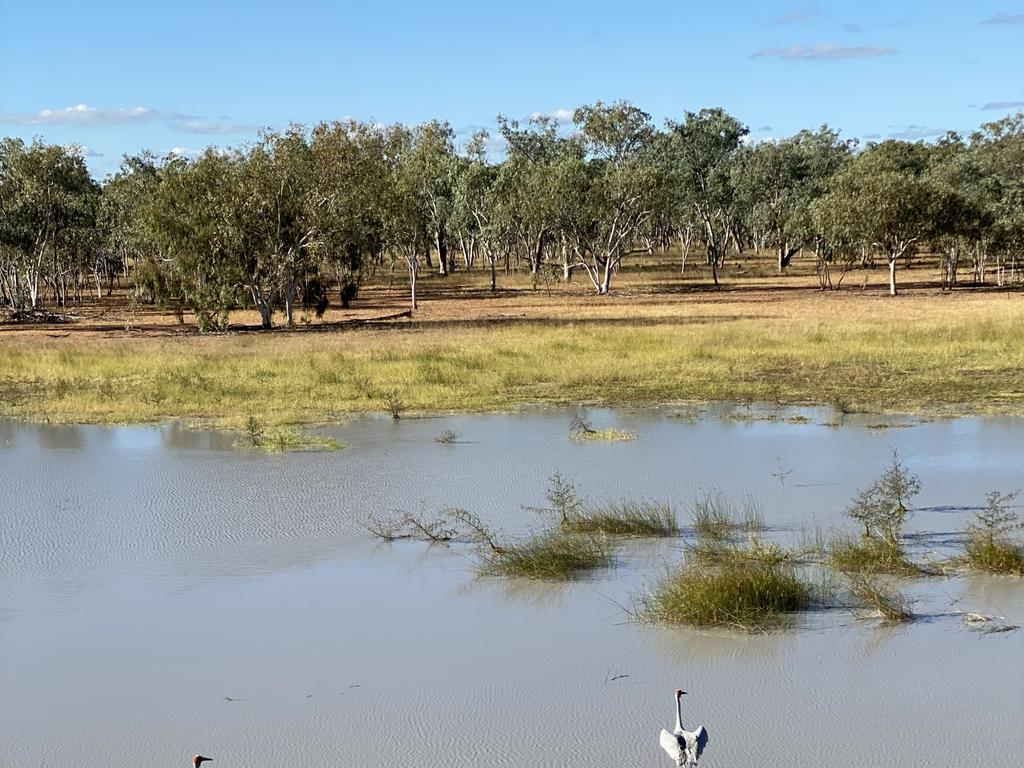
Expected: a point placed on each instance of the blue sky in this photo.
(117, 77)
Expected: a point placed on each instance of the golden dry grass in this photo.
(659, 338)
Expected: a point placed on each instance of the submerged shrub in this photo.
(880, 600)
(990, 546)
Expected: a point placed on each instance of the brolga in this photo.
(198, 760)
(685, 747)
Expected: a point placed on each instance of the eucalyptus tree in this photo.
(475, 213)
(406, 219)
(880, 199)
(699, 154)
(527, 201)
(276, 189)
(350, 188)
(47, 217)
(192, 221)
(960, 211)
(621, 182)
(778, 181)
(120, 211)
(999, 147)
(430, 166)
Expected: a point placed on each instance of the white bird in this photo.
(685, 747)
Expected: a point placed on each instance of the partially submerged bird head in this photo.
(199, 760)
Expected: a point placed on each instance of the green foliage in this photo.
(990, 545)
(869, 555)
(882, 507)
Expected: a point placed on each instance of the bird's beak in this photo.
(683, 693)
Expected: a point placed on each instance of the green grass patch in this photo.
(548, 556)
(608, 435)
(753, 589)
(283, 440)
(999, 556)
(625, 518)
(862, 555)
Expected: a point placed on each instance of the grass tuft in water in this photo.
(871, 598)
(990, 547)
(581, 430)
(626, 518)
(549, 556)
(283, 440)
(616, 518)
(850, 554)
(754, 588)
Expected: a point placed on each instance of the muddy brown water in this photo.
(162, 594)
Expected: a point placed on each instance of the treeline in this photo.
(301, 215)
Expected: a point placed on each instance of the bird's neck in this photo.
(679, 713)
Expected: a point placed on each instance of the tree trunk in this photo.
(892, 275)
(442, 251)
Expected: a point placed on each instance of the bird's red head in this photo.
(199, 760)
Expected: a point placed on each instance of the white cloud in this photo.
(82, 150)
(198, 126)
(83, 115)
(853, 27)
(1005, 18)
(186, 152)
(912, 132)
(562, 116)
(1003, 105)
(86, 116)
(824, 52)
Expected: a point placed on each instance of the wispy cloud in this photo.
(911, 132)
(853, 27)
(797, 16)
(86, 116)
(82, 115)
(824, 52)
(1005, 18)
(1002, 104)
(209, 127)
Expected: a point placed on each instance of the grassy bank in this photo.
(925, 353)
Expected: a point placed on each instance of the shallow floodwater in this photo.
(163, 594)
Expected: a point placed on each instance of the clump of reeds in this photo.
(850, 554)
(871, 598)
(261, 438)
(718, 523)
(730, 577)
(754, 588)
(615, 518)
(626, 518)
(447, 437)
(990, 546)
(551, 555)
(582, 431)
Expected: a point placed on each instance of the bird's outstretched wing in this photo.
(701, 735)
(672, 746)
